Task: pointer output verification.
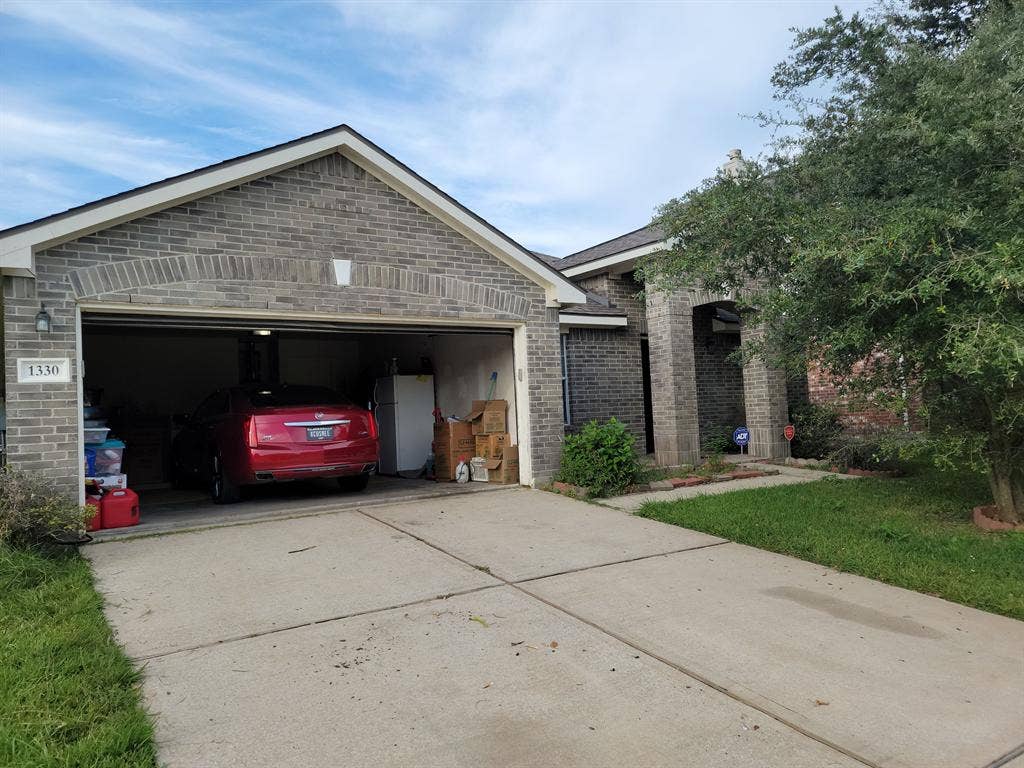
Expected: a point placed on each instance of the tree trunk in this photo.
(1006, 476)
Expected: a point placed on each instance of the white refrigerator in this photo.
(405, 422)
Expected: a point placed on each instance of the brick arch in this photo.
(441, 286)
(115, 277)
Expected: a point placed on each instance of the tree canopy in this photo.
(887, 222)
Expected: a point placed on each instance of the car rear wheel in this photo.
(354, 482)
(222, 489)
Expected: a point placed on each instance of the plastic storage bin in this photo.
(109, 457)
(120, 508)
(96, 434)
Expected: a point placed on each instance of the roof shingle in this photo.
(635, 239)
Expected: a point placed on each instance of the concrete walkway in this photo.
(786, 476)
(520, 628)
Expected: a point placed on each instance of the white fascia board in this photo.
(617, 262)
(132, 206)
(18, 262)
(47, 234)
(568, 320)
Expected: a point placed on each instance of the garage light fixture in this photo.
(43, 321)
(262, 332)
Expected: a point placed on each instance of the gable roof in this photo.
(627, 242)
(19, 244)
(596, 305)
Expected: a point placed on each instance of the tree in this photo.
(887, 224)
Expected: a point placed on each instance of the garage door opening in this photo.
(149, 378)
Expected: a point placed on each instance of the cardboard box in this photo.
(483, 446)
(489, 416)
(497, 443)
(108, 481)
(453, 440)
(489, 446)
(506, 469)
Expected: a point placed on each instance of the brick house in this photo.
(326, 257)
(662, 366)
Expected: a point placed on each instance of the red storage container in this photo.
(95, 522)
(120, 508)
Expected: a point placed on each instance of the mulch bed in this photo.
(668, 484)
(984, 519)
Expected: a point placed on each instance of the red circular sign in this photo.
(789, 431)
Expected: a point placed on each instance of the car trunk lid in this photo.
(309, 425)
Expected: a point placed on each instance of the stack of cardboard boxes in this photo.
(481, 441)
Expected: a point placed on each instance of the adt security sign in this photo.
(741, 436)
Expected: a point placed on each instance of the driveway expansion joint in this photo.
(315, 622)
(517, 585)
(1006, 759)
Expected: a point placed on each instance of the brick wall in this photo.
(604, 365)
(719, 380)
(605, 378)
(857, 416)
(267, 245)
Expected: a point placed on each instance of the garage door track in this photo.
(519, 628)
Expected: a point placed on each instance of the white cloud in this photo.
(563, 124)
(591, 114)
(93, 145)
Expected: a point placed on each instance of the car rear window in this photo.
(275, 397)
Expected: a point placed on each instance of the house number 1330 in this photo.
(43, 370)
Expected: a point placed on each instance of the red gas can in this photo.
(95, 522)
(120, 508)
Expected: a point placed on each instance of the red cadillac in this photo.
(267, 433)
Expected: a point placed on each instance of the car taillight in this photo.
(250, 428)
(371, 423)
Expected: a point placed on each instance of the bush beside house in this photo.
(31, 509)
(601, 458)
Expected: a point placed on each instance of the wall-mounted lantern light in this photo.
(43, 320)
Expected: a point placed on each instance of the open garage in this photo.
(324, 264)
(146, 377)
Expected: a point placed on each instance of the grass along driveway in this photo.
(914, 532)
(68, 695)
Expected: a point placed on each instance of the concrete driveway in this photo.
(519, 628)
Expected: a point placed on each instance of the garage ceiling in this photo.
(94, 320)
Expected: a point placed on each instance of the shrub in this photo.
(600, 457)
(717, 441)
(818, 431)
(31, 509)
(880, 451)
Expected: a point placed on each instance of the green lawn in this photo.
(914, 532)
(68, 695)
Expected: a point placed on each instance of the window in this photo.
(565, 380)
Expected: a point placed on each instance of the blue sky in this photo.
(564, 124)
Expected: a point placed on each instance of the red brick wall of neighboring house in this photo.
(859, 417)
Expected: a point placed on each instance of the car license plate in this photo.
(319, 433)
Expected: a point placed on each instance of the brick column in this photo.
(42, 419)
(764, 391)
(673, 378)
(547, 426)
